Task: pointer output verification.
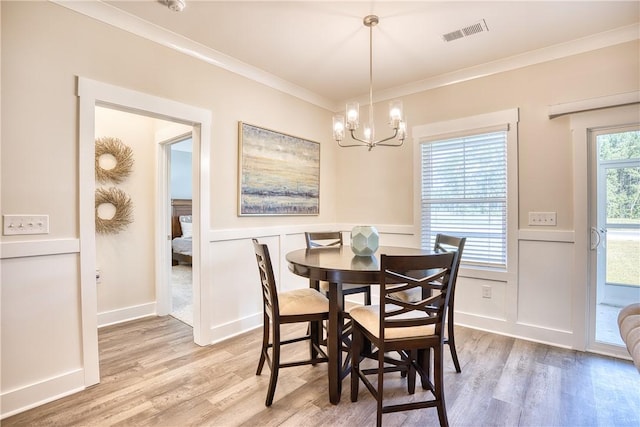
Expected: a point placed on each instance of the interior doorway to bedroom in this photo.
(181, 194)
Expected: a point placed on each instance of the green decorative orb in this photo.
(364, 240)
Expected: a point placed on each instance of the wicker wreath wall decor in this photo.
(123, 210)
(122, 154)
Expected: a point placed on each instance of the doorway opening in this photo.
(93, 93)
(615, 228)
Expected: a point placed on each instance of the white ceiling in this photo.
(323, 46)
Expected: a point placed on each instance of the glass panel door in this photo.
(615, 229)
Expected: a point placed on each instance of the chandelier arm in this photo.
(353, 136)
(364, 142)
(400, 143)
(361, 143)
(382, 141)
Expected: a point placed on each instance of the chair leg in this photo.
(275, 366)
(438, 379)
(356, 345)
(314, 330)
(411, 372)
(451, 341)
(265, 344)
(424, 359)
(380, 388)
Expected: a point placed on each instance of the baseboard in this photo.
(527, 332)
(126, 314)
(24, 398)
(229, 330)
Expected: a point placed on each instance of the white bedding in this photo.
(182, 245)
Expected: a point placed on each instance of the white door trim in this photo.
(92, 93)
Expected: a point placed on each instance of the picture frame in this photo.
(279, 174)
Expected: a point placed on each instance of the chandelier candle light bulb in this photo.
(338, 128)
(353, 114)
(395, 113)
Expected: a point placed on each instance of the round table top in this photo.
(342, 259)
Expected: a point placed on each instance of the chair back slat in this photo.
(267, 278)
(431, 274)
(447, 243)
(323, 239)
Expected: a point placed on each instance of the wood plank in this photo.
(154, 375)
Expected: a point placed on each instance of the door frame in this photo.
(92, 93)
(581, 124)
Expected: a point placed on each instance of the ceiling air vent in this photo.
(469, 30)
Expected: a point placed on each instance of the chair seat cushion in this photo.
(302, 301)
(368, 316)
(411, 295)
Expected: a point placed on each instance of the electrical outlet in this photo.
(486, 291)
(25, 224)
(542, 218)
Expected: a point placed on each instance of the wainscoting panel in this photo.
(40, 315)
(545, 284)
(469, 298)
(235, 286)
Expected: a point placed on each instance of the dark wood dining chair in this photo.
(411, 330)
(333, 239)
(444, 243)
(296, 306)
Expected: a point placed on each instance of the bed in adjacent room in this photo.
(181, 231)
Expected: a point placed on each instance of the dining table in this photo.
(338, 265)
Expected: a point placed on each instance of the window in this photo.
(464, 193)
(466, 185)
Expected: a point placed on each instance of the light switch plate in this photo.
(542, 218)
(25, 224)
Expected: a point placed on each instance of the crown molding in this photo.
(118, 18)
(574, 47)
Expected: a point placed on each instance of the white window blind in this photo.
(464, 193)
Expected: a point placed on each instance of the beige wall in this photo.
(44, 47)
(126, 259)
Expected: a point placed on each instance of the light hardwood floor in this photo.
(153, 375)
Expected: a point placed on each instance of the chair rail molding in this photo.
(29, 248)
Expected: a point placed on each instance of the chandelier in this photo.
(396, 122)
